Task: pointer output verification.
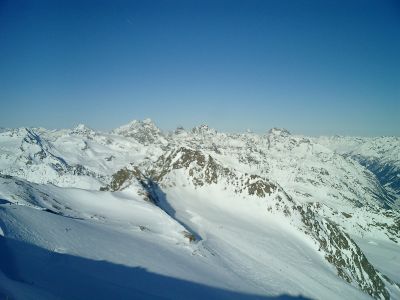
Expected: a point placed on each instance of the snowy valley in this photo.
(138, 213)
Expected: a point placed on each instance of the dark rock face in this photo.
(186, 158)
(343, 253)
(120, 178)
(259, 186)
(125, 177)
(204, 169)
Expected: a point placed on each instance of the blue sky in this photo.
(313, 67)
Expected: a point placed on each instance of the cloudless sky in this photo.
(313, 67)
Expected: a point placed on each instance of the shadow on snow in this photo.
(70, 277)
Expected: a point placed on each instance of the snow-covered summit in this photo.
(265, 214)
(380, 155)
(145, 132)
(279, 131)
(82, 129)
(135, 125)
(203, 130)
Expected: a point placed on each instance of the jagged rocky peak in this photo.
(131, 177)
(82, 129)
(145, 132)
(181, 157)
(203, 169)
(136, 124)
(179, 130)
(279, 132)
(203, 129)
(122, 178)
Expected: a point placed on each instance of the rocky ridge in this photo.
(329, 193)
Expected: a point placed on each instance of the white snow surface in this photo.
(63, 238)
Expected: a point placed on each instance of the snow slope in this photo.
(118, 229)
(194, 214)
(115, 229)
(380, 155)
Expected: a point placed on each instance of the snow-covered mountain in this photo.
(380, 155)
(197, 214)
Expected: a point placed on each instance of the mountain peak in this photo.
(145, 132)
(147, 121)
(136, 124)
(279, 132)
(179, 130)
(203, 129)
(82, 129)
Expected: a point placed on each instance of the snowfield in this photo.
(141, 214)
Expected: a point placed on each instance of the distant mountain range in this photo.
(138, 213)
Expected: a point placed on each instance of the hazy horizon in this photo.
(312, 67)
(170, 130)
